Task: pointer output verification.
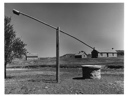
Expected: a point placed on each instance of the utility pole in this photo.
(57, 55)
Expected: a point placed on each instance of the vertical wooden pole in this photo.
(57, 55)
(5, 70)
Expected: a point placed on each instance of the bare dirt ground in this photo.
(41, 80)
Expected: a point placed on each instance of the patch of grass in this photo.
(40, 77)
(30, 82)
(68, 62)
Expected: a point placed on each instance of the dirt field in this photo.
(39, 77)
(42, 81)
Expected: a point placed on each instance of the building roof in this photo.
(108, 51)
(32, 54)
(81, 53)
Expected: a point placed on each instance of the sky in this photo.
(100, 25)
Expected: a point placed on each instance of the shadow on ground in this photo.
(80, 78)
(10, 77)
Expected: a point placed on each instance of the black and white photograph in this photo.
(64, 48)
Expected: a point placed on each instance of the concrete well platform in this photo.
(91, 71)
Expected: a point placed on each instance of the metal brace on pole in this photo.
(57, 55)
